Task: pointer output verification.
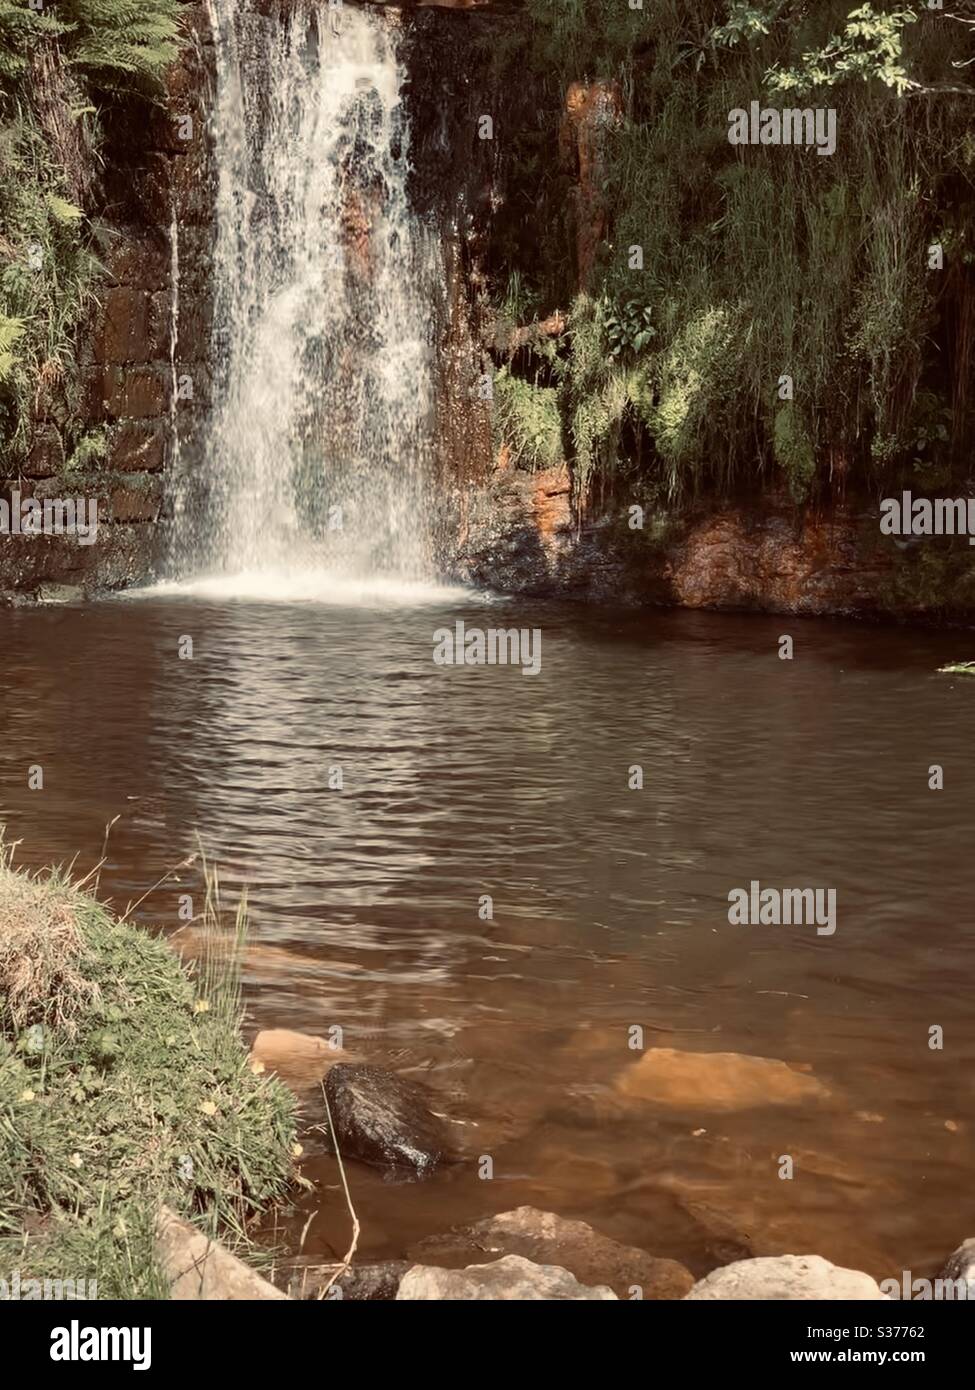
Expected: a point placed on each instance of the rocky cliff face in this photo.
(145, 367)
(143, 355)
(523, 531)
(522, 535)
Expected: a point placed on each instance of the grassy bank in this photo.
(123, 1084)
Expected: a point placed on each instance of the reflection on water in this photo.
(610, 905)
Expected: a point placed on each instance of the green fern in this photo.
(11, 332)
(128, 38)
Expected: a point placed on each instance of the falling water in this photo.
(174, 334)
(317, 454)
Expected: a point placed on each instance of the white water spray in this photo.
(318, 452)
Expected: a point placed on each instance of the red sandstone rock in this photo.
(592, 110)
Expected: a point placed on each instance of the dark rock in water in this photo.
(384, 1120)
(547, 1239)
(378, 1281)
(361, 1283)
(960, 1264)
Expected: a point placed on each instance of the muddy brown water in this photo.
(610, 904)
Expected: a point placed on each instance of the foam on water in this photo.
(283, 585)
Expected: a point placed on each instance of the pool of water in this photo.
(610, 904)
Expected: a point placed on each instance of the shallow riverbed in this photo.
(610, 904)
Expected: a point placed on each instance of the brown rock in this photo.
(710, 1081)
(116, 392)
(139, 503)
(46, 457)
(547, 1239)
(122, 332)
(192, 185)
(138, 258)
(551, 506)
(592, 110)
(299, 1059)
(137, 446)
(512, 1278)
(199, 1268)
(137, 393)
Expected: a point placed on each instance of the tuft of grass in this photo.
(126, 1087)
(527, 416)
(42, 956)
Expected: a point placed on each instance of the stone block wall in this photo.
(143, 371)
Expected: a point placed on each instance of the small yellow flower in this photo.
(75, 1160)
(201, 1006)
(208, 1107)
(258, 1067)
(297, 1150)
(27, 1095)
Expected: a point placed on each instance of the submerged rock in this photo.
(299, 1059)
(384, 1120)
(511, 1278)
(790, 1277)
(545, 1238)
(716, 1081)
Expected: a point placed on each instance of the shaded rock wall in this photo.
(522, 534)
(518, 531)
(133, 350)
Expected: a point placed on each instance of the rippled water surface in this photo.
(610, 904)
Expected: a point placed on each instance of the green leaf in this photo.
(63, 212)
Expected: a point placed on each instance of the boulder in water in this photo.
(385, 1120)
(512, 1278)
(790, 1277)
(542, 1236)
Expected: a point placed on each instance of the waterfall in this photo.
(317, 458)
